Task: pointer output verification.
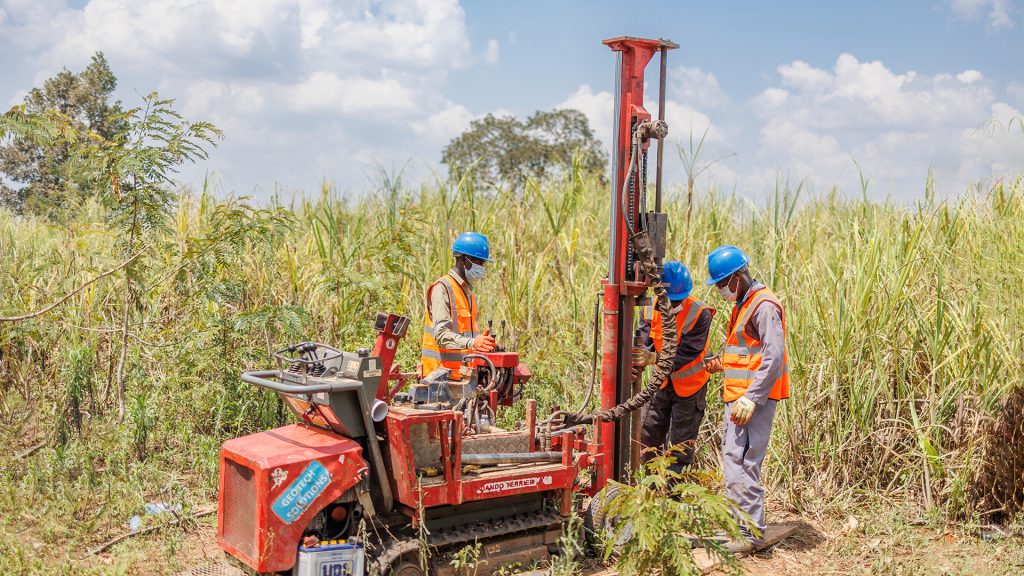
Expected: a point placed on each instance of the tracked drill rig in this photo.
(385, 465)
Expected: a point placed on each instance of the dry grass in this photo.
(904, 339)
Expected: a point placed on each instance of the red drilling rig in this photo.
(384, 464)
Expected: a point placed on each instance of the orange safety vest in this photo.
(464, 322)
(742, 356)
(690, 378)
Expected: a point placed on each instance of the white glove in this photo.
(742, 410)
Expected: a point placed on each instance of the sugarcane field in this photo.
(464, 288)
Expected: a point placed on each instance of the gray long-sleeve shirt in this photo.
(765, 325)
(439, 303)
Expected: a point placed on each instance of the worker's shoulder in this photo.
(774, 307)
(443, 281)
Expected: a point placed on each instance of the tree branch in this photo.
(72, 293)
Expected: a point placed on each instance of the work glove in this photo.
(644, 357)
(742, 410)
(713, 364)
(484, 342)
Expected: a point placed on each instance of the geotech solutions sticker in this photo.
(301, 493)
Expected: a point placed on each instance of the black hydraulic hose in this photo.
(494, 371)
(593, 357)
(666, 357)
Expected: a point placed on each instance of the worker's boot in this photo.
(739, 546)
(743, 545)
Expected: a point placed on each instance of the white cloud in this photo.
(597, 107)
(326, 92)
(802, 76)
(279, 76)
(895, 125)
(969, 76)
(444, 124)
(491, 54)
(999, 13)
(694, 87)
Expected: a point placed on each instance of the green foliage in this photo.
(464, 561)
(506, 150)
(873, 338)
(657, 517)
(571, 548)
(138, 163)
(141, 422)
(77, 374)
(47, 181)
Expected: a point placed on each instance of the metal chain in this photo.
(630, 215)
(643, 189)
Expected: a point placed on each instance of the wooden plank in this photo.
(774, 534)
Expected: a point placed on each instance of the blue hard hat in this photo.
(472, 244)
(723, 261)
(677, 279)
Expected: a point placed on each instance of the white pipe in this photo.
(379, 410)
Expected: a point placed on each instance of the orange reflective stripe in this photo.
(690, 378)
(464, 322)
(741, 358)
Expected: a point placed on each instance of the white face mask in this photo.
(476, 272)
(727, 292)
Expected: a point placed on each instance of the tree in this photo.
(505, 149)
(133, 170)
(46, 180)
(136, 166)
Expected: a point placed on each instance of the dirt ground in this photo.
(883, 543)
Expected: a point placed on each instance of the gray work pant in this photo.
(743, 450)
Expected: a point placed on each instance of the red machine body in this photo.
(400, 460)
(622, 289)
(411, 450)
(273, 482)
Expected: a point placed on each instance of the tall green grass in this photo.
(903, 330)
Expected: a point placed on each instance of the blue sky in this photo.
(313, 89)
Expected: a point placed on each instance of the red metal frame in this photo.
(291, 449)
(620, 294)
(451, 487)
(385, 348)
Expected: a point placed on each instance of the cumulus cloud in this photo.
(597, 107)
(998, 13)
(444, 124)
(894, 125)
(695, 87)
(301, 70)
(689, 91)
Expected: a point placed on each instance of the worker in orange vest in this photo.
(677, 410)
(450, 327)
(755, 372)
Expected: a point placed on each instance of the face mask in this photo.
(727, 292)
(474, 272)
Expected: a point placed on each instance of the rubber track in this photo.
(395, 548)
